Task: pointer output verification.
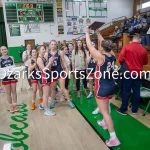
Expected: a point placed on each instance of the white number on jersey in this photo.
(54, 63)
(110, 66)
(92, 61)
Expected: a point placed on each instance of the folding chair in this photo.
(145, 94)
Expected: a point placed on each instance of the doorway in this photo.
(3, 39)
(31, 42)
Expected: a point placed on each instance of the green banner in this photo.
(14, 30)
(100, 1)
(97, 9)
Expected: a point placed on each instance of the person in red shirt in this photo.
(133, 56)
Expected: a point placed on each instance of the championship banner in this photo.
(60, 29)
(59, 8)
(14, 30)
(60, 16)
(97, 8)
(59, 4)
(32, 28)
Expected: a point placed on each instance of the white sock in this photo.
(10, 105)
(113, 135)
(91, 92)
(46, 109)
(97, 108)
(103, 121)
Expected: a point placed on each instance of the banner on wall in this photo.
(59, 8)
(81, 22)
(32, 1)
(88, 21)
(59, 3)
(60, 16)
(69, 23)
(75, 30)
(97, 9)
(60, 20)
(76, 26)
(59, 12)
(60, 29)
(81, 29)
(69, 32)
(14, 30)
(74, 19)
(32, 28)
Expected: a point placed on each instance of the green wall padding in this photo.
(3, 39)
(1, 15)
(14, 51)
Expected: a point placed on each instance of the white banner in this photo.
(32, 28)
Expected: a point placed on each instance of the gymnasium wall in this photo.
(116, 8)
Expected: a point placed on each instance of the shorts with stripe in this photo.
(9, 80)
(90, 74)
(104, 89)
(45, 79)
(55, 75)
(35, 78)
(34, 81)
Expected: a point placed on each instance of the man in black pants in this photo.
(132, 57)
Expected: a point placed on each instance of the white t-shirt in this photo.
(67, 60)
(28, 57)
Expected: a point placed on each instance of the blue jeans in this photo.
(146, 40)
(127, 85)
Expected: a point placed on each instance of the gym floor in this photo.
(28, 129)
(75, 129)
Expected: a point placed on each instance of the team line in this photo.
(63, 74)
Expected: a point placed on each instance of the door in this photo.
(31, 42)
(3, 39)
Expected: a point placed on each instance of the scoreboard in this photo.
(29, 12)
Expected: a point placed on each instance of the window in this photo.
(145, 5)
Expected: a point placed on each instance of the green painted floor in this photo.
(132, 134)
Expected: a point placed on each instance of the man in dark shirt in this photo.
(144, 28)
(116, 34)
(134, 56)
(143, 32)
(148, 18)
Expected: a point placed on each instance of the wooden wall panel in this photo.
(126, 39)
(136, 6)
